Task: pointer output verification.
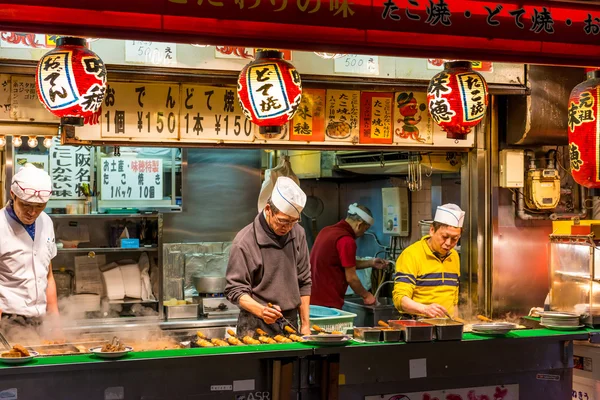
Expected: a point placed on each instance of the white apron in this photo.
(24, 265)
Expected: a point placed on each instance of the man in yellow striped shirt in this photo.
(427, 272)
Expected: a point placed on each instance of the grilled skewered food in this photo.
(296, 338)
(289, 329)
(249, 340)
(204, 343)
(201, 335)
(219, 342)
(266, 340)
(261, 332)
(17, 351)
(282, 339)
(232, 340)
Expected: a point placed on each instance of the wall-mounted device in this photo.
(542, 188)
(512, 165)
(396, 217)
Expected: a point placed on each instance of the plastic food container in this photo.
(368, 334)
(391, 335)
(445, 329)
(413, 331)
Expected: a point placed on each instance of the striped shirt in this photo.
(422, 277)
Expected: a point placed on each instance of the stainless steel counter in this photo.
(133, 324)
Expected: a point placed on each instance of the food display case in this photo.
(575, 276)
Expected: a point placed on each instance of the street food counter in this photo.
(525, 364)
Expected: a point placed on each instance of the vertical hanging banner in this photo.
(70, 166)
(141, 110)
(343, 113)
(131, 179)
(376, 118)
(308, 123)
(5, 94)
(412, 122)
(213, 113)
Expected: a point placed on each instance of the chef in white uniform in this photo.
(27, 246)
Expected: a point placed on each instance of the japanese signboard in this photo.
(5, 96)
(70, 166)
(376, 118)
(308, 123)
(357, 64)
(343, 113)
(141, 110)
(131, 179)
(153, 53)
(214, 113)
(24, 102)
(500, 392)
(412, 122)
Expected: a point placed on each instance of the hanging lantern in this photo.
(584, 126)
(457, 99)
(269, 90)
(329, 56)
(71, 81)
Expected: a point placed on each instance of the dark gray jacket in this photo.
(269, 273)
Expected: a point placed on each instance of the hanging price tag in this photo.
(357, 64)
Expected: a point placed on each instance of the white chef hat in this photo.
(32, 184)
(354, 209)
(288, 197)
(450, 214)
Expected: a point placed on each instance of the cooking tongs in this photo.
(284, 319)
(4, 342)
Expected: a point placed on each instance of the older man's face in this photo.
(444, 239)
(25, 211)
(280, 223)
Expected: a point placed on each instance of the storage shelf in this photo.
(114, 216)
(107, 249)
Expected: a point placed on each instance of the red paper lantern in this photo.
(584, 125)
(457, 99)
(269, 90)
(71, 81)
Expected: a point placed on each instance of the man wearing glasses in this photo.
(27, 286)
(269, 264)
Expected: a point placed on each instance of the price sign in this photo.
(342, 112)
(308, 123)
(153, 53)
(141, 110)
(70, 166)
(131, 179)
(209, 112)
(376, 118)
(357, 64)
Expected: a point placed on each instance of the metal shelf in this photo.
(107, 249)
(114, 216)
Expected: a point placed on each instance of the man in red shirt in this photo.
(333, 260)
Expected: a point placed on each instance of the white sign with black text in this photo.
(356, 64)
(153, 53)
(131, 179)
(70, 166)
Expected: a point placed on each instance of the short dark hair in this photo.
(437, 225)
(273, 207)
(356, 217)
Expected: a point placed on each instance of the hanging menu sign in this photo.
(5, 100)
(25, 104)
(141, 110)
(376, 118)
(343, 112)
(308, 123)
(213, 113)
(131, 179)
(70, 166)
(412, 121)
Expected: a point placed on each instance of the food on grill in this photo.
(52, 342)
(484, 318)
(261, 332)
(204, 343)
(289, 329)
(201, 335)
(234, 341)
(296, 338)
(17, 351)
(112, 348)
(282, 339)
(337, 333)
(231, 332)
(219, 342)
(249, 340)
(266, 340)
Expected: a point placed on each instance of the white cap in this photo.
(288, 197)
(32, 179)
(353, 209)
(450, 214)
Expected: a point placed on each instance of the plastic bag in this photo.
(284, 168)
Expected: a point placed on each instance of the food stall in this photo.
(189, 229)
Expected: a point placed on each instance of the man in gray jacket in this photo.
(269, 264)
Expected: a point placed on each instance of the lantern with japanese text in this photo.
(71, 82)
(457, 99)
(269, 90)
(584, 125)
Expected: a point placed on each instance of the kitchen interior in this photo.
(152, 272)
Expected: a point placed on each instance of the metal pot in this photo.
(209, 284)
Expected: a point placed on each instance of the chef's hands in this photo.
(380, 263)
(369, 299)
(271, 314)
(434, 311)
(305, 330)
